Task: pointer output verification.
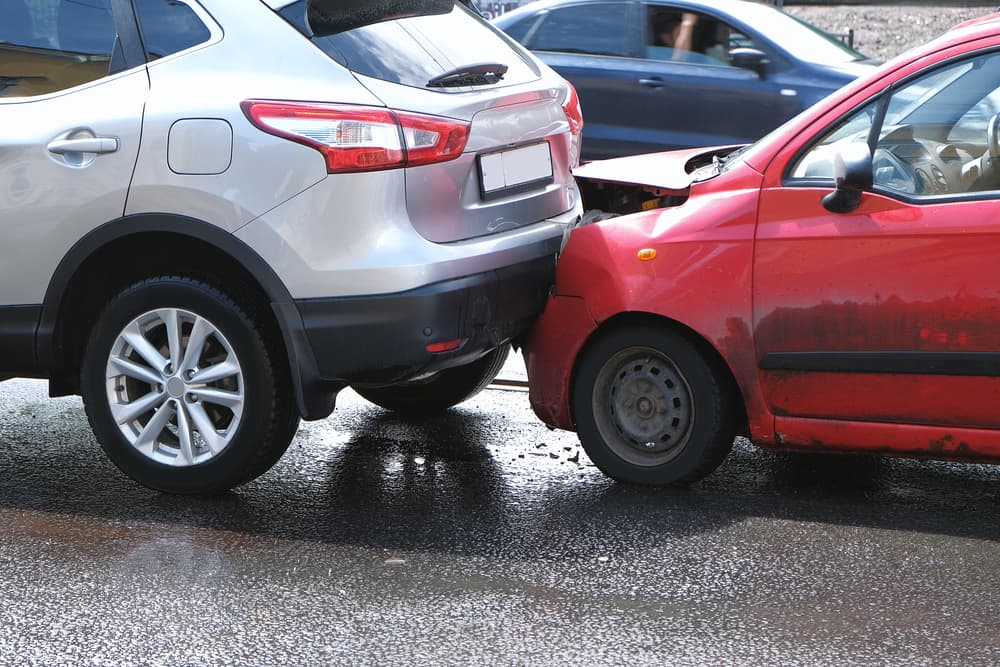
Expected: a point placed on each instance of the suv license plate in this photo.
(515, 170)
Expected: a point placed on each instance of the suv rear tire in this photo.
(184, 389)
(440, 391)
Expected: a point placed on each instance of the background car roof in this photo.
(732, 7)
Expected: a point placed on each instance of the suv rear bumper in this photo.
(383, 338)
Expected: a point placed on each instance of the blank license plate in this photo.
(516, 170)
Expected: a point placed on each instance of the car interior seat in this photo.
(717, 42)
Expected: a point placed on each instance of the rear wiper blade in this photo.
(481, 74)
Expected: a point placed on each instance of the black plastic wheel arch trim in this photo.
(315, 396)
(18, 325)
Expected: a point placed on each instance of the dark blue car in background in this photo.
(745, 68)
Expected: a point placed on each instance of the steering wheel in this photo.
(888, 171)
(987, 168)
(993, 137)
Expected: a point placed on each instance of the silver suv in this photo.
(215, 215)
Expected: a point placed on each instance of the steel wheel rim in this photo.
(643, 407)
(175, 387)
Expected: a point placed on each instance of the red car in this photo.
(834, 286)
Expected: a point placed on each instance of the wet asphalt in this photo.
(482, 537)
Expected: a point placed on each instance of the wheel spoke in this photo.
(146, 441)
(135, 371)
(144, 348)
(129, 412)
(196, 343)
(184, 434)
(175, 392)
(173, 324)
(649, 408)
(228, 399)
(215, 372)
(206, 428)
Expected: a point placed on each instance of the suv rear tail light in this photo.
(574, 115)
(360, 138)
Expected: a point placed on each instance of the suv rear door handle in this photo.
(652, 82)
(84, 145)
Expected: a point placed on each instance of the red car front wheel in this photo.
(651, 409)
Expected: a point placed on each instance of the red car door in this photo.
(890, 312)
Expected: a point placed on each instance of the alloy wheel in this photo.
(175, 387)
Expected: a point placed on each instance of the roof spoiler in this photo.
(330, 17)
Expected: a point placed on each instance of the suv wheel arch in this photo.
(209, 252)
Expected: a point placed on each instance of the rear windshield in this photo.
(412, 51)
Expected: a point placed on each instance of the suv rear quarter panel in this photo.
(347, 234)
(259, 56)
(444, 202)
(323, 243)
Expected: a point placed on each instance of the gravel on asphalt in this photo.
(885, 31)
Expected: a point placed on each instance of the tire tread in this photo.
(282, 415)
(718, 426)
(445, 390)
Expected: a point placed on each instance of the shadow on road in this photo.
(456, 484)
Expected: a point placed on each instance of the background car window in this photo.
(169, 26)
(682, 36)
(519, 29)
(597, 29)
(51, 45)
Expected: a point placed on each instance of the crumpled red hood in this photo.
(668, 172)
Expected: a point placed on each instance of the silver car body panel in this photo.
(349, 234)
(48, 201)
(174, 142)
(326, 256)
(265, 170)
(516, 116)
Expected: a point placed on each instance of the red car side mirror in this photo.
(852, 172)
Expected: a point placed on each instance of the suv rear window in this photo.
(412, 51)
(169, 26)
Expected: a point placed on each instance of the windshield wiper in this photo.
(482, 74)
